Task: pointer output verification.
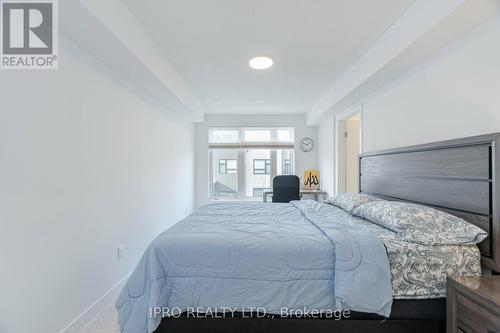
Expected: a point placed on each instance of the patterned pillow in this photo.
(350, 201)
(420, 224)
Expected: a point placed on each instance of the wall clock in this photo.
(306, 144)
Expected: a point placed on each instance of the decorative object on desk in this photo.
(306, 144)
(311, 180)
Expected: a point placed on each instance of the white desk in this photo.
(316, 194)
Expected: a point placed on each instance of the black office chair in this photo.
(286, 188)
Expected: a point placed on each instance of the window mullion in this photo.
(274, 165)
(211, 173)
(242, 188)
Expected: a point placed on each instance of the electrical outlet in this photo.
(120, 252)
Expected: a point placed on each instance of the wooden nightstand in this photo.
(473, 304)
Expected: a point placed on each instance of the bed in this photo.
(265, 256)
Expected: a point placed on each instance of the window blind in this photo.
(252, 138)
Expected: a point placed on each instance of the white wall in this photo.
(456, 94)
(84, 166)
(326, 154)
(452, 95)
(303, 161)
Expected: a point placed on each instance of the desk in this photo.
(316, 194)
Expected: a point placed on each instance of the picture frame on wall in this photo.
(311, 180)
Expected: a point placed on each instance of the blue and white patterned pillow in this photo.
(421, 224)
(350, 201)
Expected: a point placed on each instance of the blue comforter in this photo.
(266, 256)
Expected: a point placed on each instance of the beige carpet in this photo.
(105, 322)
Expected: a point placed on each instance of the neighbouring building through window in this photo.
(243, 161)
(228, 166)
(258, 192)
(261, 167)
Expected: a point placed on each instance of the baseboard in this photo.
(95, 309)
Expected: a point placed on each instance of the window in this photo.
(224, 136)
(287, 166)
(258, 192)
(284, 135)
(258, 135)
(228, 166)
(227, 194)
(261, 167)
(224, 172)
(243, 161)
(241, 137)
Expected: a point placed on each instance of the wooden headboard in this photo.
(456, 176)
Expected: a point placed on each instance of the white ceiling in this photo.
(313, 43)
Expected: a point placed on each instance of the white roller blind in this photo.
(251, 137)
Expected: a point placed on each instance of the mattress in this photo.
(418, 271)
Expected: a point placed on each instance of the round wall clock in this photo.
(306, 144)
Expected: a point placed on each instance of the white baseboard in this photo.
(95, 309)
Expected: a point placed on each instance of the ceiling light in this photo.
(260, 101)
(216, 101)
(261, 62)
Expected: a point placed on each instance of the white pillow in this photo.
(421, 224)
(350, 201)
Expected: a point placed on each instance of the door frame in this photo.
(340, 146)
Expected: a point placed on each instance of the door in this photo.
(351, 153)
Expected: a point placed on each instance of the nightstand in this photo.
(473, 304)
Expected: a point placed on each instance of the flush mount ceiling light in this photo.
(261, 62)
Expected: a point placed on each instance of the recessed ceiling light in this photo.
(260, 101)
(216, 101)
(261, 62)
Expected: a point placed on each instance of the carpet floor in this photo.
(105, 322)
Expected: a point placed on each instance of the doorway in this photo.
(349, 148)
